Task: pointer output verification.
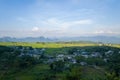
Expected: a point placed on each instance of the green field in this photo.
(47, 44)
(53, 44)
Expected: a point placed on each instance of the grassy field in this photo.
(47, 45)
(51, 44)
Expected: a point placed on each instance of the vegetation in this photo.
(59, 61)
(47, 44)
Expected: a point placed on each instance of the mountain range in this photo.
(104, 39)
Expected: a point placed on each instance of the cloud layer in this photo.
(59, 18)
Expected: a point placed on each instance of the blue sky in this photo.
(59, 18)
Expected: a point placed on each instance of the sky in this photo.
(59, 18)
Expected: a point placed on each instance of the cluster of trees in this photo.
(10, 59)
(114, 64)
(57, 66)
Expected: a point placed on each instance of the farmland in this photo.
(54, 44)
(47, 44)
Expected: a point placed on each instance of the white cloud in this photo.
(35, 29)
(55, 26)
(66, 24)
(106, 32)
(87, 21)
(99, 32)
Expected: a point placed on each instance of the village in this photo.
(74, 58)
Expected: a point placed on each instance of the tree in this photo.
(114, 63)
(80, 59)
(26, 61)
(74, 74)
(95, 61)
(57, 66)
(111, 76)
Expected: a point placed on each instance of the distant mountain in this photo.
(27, 39)
(104, 39)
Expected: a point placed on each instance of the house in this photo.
(95, 54)
(60, 57)
(51, 60)
(119, 52)
(85, 54)
(110, 52)
(75, 53)
(83, 63)
(105, 60)
(69, 56)
(33, 52)
(100, 44)
(73, 61)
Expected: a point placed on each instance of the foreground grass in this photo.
(43, 72)
(31, 73)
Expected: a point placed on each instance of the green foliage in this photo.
(80, 59)
(114, 63)
(14, 67)
(95, 61)
(57, 66)
(25, 61)
(74, 74)
(11, 62)
(112, 76)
